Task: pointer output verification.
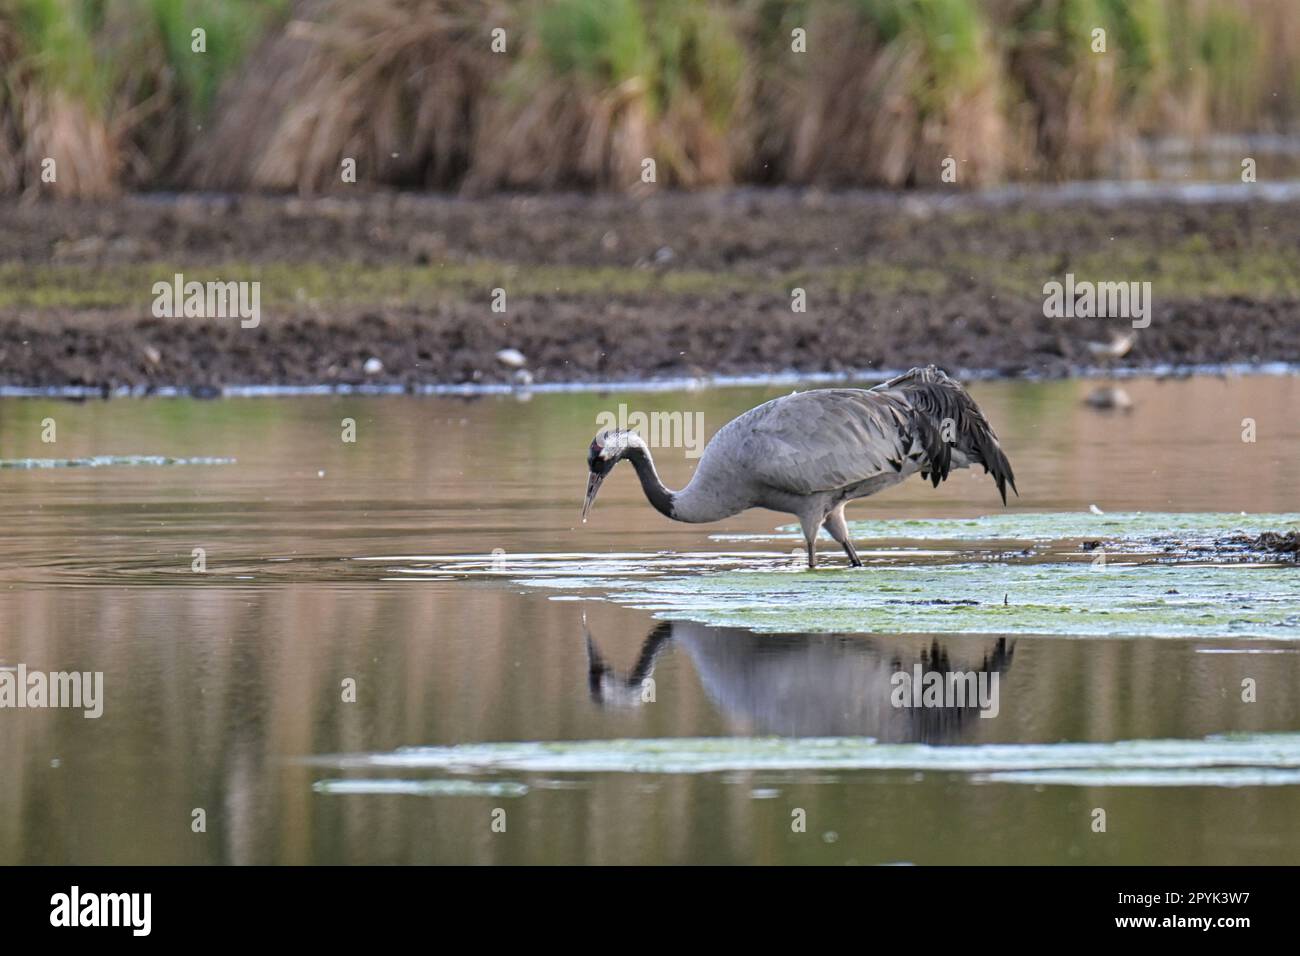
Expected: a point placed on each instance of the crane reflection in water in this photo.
(809, 685)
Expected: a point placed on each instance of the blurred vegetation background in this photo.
(713, 90)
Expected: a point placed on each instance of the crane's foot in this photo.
(837, 528)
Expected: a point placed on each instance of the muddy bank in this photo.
(398, 289)
(1270, 547)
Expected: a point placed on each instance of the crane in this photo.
(810, 453)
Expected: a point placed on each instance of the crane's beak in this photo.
(593, 486)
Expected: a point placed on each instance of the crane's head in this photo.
(608, 687)
(607, 449)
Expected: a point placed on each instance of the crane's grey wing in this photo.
(946, 419)
(821, 440)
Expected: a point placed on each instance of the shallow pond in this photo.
(529, 689)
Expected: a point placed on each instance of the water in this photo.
(500, 649)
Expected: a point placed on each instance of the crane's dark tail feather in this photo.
(945, 417)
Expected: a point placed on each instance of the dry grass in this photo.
(394, 85)
(1071, 111)
(880, 109)
(57, 126)
(564, 135)
(11, 138)
(42, 119)
(602, 85)
(110, 89)
(590, 89)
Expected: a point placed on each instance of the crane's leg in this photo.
(834, 523)
(811, 525)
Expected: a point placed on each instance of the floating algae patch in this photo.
(421, 788)
(1067, 599)
(1055, 526)
(1206, 760)
(1103, 591)
(109, 461)
(1107, 777)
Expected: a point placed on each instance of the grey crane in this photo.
(810, 453)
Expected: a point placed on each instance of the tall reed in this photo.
(585, 92)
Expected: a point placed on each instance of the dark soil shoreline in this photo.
(396, 290)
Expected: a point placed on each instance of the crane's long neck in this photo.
(660, 496)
